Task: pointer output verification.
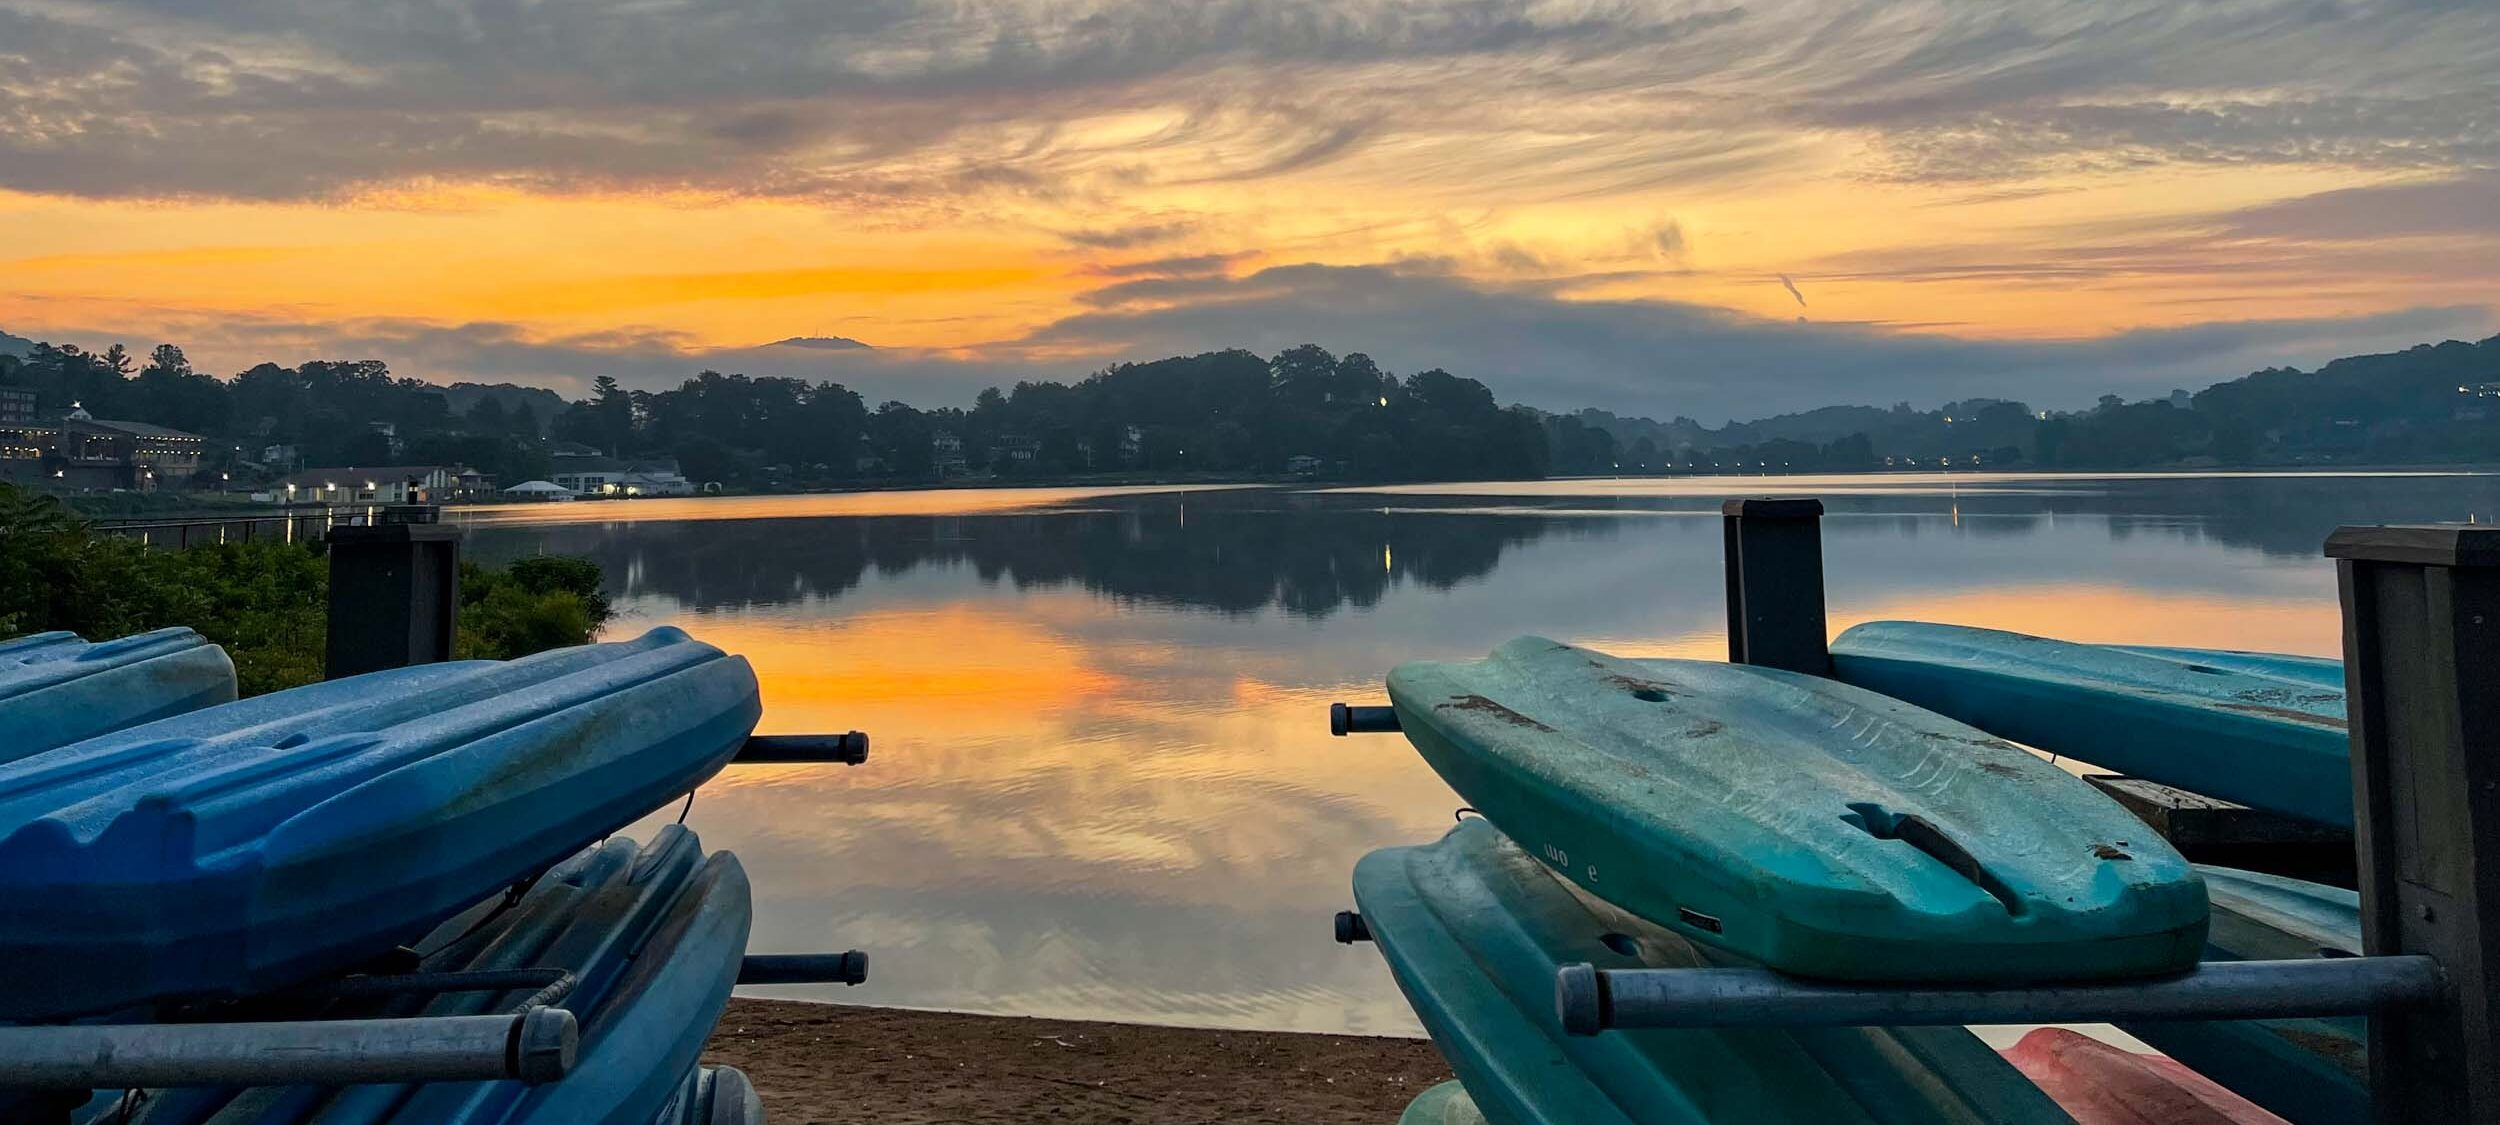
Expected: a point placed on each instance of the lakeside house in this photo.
(80, 451)
(609, 476)
(388, 484)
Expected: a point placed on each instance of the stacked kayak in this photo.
(1474, 929)
(56, 689)
(652, 936)
(2311, 1071)
(258, 844)
(2263, 730)
(1805, 825)
(2104, 1085)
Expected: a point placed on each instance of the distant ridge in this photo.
(821, 343)
(18, 346)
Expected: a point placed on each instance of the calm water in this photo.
(1102, 784)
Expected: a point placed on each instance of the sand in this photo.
(824, 1063)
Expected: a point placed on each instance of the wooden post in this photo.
(2422, 684)
(394, 592)
(1775, 585)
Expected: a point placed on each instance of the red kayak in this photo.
(2100, 1084)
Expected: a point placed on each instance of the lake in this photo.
(1102, 783)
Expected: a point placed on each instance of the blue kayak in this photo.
(1815, 828)
(2263, 730)
(56, 689)
(2310, 1071)
(253, 845)
(653, 935)
(1474, 930)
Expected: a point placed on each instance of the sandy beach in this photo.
(817, 1064)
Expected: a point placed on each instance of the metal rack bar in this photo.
(849, 748)
(536, 1046)
(1345, 719)
(1590, 1000)
(804, 968)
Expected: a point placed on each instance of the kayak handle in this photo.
(1345, 719)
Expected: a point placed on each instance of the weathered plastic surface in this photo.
(1445, 1104)
(1816, 828)
(1473, 930)
(252, 845)
(2101, 1084)
(56, 689)
(2263, 730)
(654, 936)
(714, 1096)
(2311, 1071)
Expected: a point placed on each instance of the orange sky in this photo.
(991, 184)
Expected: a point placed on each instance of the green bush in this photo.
(266, 603)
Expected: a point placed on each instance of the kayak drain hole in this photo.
(1649, 695)
(1624, 944)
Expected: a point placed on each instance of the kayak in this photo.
(2262, 730)
(653, 937)
(250, 846)
(1474, 930)
(2311, 1070)
(713, 1095)
(1445, 1104)
(2103, 1085)
(1815, 828)
(56, 689)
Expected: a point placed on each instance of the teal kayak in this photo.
(1474, 930)
(653, 937)
(254, 845)
(56, 689)
(1445, 1104)
(2312, 1071)
(713, 1095)
(1815, 828)
(2263, 730)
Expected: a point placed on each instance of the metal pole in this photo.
(804, 968)
(536, 1046)
(2421, 661)
(850, 748)
(1590, 1000)
(1345, 719)
(1774, 551)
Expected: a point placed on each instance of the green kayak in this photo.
(1445, 1104)
(1474, 930)
(1815, 828)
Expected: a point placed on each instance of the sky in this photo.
(1716, 209)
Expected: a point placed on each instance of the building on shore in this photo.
(609, 476)
(83, 453)
(386, 484)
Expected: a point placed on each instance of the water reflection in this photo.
(1101, 785)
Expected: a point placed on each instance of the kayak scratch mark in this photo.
(1473, 702)
(2286, 714)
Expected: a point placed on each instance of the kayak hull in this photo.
(56, 689)
(1818, 829)
(1473, 931)
(249, 846)
(2102, 1085)
(1445, 1104)
(2262, 730)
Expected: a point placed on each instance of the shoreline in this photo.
(818, 1063)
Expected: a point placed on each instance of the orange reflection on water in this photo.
(894, 502)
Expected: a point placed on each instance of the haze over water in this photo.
(1102, 784)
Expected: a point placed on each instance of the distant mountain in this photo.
(543, 404)
(821, 343)
(18, 346)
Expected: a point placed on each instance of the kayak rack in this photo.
(1348, 718)
(804, 968)
(1589, 1000)
(534, 1046)
(849, 748)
